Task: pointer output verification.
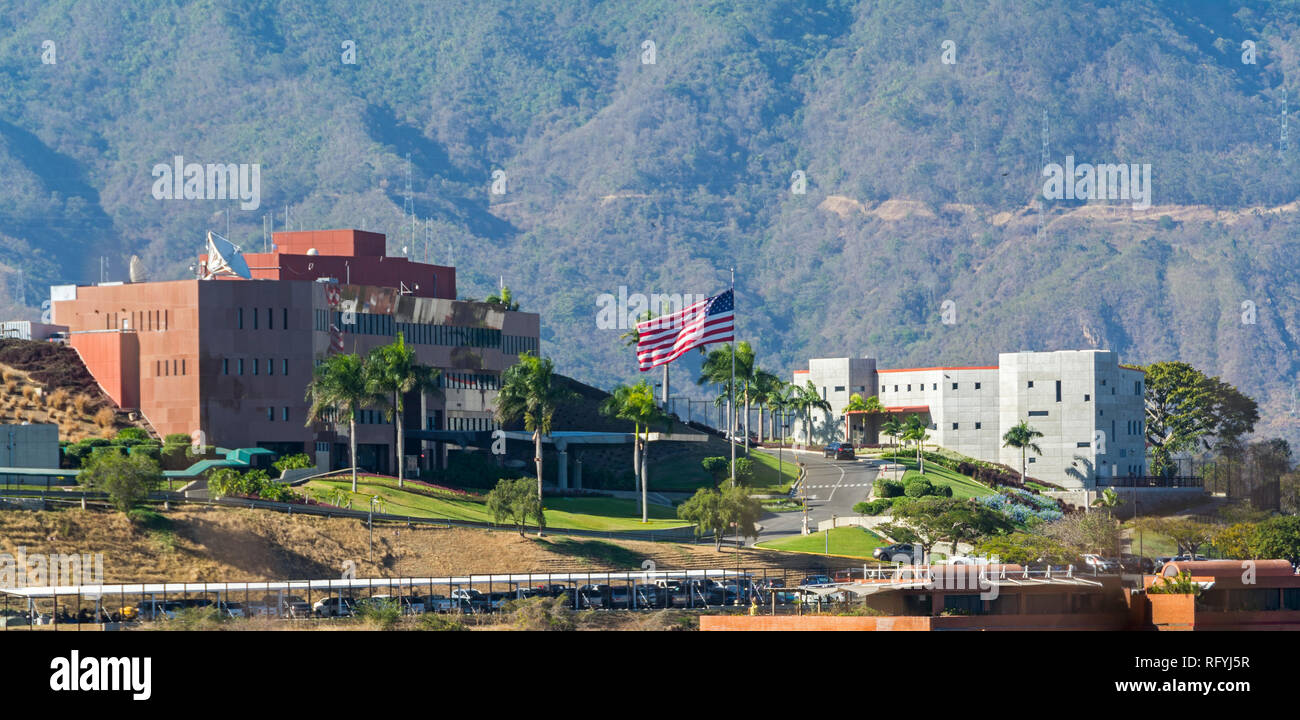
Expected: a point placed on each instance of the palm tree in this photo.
(504, 299)
(391, 372)
(811, 400)
(636, 403)
(717, 370)
(1022, 437)
(915, 429)
(1108, 500)
(765, 385)
(338, 385)
(781, 400)
(893, 429)
(857, 405)
(529, 391)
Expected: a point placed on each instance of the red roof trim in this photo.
(967, 367)
(907, 408)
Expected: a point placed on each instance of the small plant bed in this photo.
(782, 506)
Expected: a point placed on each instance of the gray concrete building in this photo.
(1088, 407)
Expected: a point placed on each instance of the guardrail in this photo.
(686, 534)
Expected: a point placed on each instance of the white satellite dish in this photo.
(224, 258)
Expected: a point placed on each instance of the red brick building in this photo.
(231, 358)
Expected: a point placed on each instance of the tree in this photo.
(1109, 500)
(766, 388)
(809, 399)
(717, 467)
(1084, 533)
(704, 510)
(927, 520)
(636, 403)
(915, 429)
(392, 371)
(516, 500)
(127, 479)
(1188, 534)
(1021, 437)
(338, 388)
(1024, 548)
(504, 299)
(892, 428)
(857, 405)
(1278, 538)
(740, 511)
(530, 391)
(717, 370)
(1186, 409)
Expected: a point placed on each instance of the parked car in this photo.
(335, 607)
(817, 580)
(1097, 563)
(469, 599)
(437, 603)
(231, 608)
(410, 605)
(592, 596)
(898, 552)
(650, 596)
(1188, 558)
(1137, 564)
(839, 451)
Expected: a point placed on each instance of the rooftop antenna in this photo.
(1283, 144)
(1046, 156)
(428, 237)
(408, 207)
(102, 262)
(264, 232)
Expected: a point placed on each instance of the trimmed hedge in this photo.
(888, 488)
(874, 507)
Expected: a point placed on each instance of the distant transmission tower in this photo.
(1046, 157)
(1282, 140)
(408, 208)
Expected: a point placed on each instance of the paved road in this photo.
(833, 486)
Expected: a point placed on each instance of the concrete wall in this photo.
(29, 446)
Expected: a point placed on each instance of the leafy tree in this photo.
(1187, 533)
(717, 370)
(915, 430)
(530, 391)
(892, 428)
(1084, 533)
(767, 387)
(134, 433)
(127, 479)
(1108, 499)
(1237, 541)
(927, 520)
(1278, 538)
(856, 404)
(717, 467)
(1025, 548)
(1180, 585)
(338, 390)
(296, 461)
(1021, 437)
(392, 371)
(516, 500)
(744, 471)
(740, 511)
(704, 510)
(504, 299)
(1186, 408)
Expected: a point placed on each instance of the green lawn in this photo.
(962, 487)
(685, 474)
(850, 541)
(561, 513)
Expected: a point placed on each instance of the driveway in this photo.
(833, 488)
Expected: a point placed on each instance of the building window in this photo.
(157, 368)
(284, 319)
(954, 386)
(255, 370)
(839, 388)
(977, 386)
(977, 426)
(1083, 444)
(241, 366)
(1058, 391)
(909, 387)
(1037, 413)
(182, 366)
(270, 414)
(284, 366)
(1087, 397)
(225, 366)
(954, 426)
(1032, 459)
(934, 386)
(270, 366)
(240, 313)
(895, 388)
(882, 388)
(1031, 383)
(173, 366)
(285, 415)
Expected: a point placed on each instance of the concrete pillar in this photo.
(577, 473)
(562, 465)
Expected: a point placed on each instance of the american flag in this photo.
(663, 339)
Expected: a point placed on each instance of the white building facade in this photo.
(1089, 408)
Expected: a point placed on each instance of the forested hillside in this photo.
(921, 176)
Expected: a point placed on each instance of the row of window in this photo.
(921, 387)
(284, 414)
(256, 365)
(255, 315)
(163, 368)
(977, 426)
(138, 320)
(471, 423)
(518, 344)
(469, 381)
(420, 333)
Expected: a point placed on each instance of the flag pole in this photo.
(731, 389)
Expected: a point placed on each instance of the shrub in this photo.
(540, 613)
(293, 462)
(149, 519)
(198, 618)
(58, 399)
(81, 402)
(176, 439)
(379, 614)
(874, 507)
(105, 418)
(151, 451)
(127, 480)
(888, 488)
(441, 623)
(918, 487)
(275, 492)
(132, 433)
(744, 471)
